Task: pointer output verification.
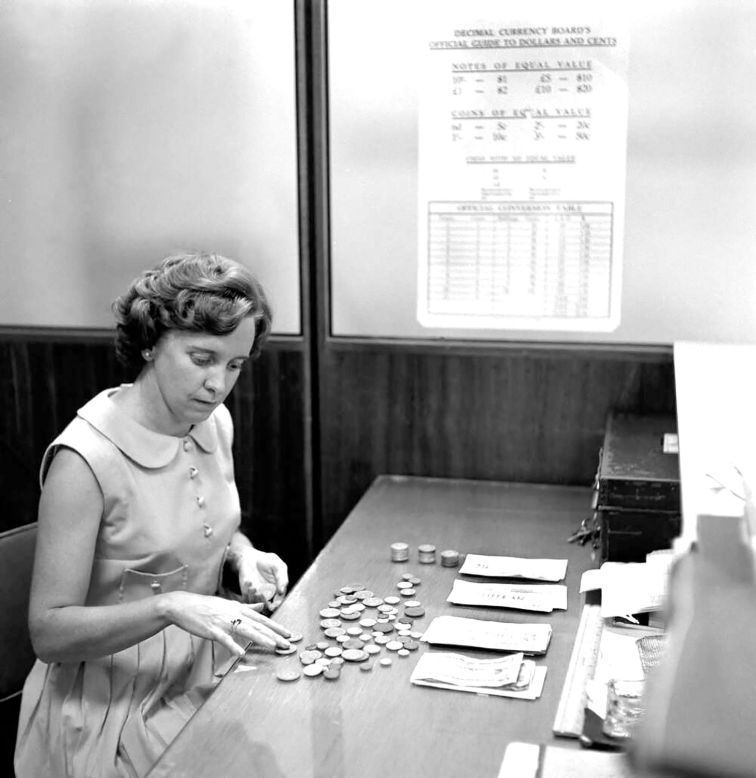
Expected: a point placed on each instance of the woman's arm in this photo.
(64, 629)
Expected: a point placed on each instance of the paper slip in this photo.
(629, 587)
(461, 673)
(514, 567)
(462, 670)
(541, 597)
(496, 635)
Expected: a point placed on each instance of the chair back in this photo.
(16, 653)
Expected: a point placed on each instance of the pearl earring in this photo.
(147, 354)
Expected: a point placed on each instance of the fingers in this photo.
(268, 634)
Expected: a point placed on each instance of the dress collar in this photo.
(144, 446)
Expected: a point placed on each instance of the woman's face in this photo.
(193, 372)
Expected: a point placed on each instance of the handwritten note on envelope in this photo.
(543, 598)
(514, 567)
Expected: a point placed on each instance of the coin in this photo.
(383, 627)
(367, 623)
(308, 657)
(363, 594)
(353, 643)
(381, 640)
(332, 673)
(371, 648)
(329, 613)
(287, 675)
(285, 651)
(354, 631)
(412, 604)
(390, 600)
(333, 651)
(403, 652)
(408, 592)
(410, 645)
(355, 655)
(372, 602)
(311, 671)
(385, 662)
(322, 645)
(295, 637)
(403, 585)
(415, 612)
(328, 623)
(394, 645)
(333, 632)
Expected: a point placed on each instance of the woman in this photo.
(138, 514)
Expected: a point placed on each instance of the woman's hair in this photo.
(200, 292)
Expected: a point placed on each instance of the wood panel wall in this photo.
(520, 415)
(43, 382)
(513, 415)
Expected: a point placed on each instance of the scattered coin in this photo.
(311, 671)
(366, 667)
(308, 657)
(414, 612)
(364, 594)
(353, 643)
(367, 623)
(390, 600)
(412, 604)
(332, 673)
(394, 645)
(371, 648)
(372, 602)
(403, 652)
(342, 638)
(329, 613)
(383, 627)
(354, 631)
(385, 662)
(408, 592)
(322, 645)
(333, 651)
(285, 651)
(328, 623)
(288, 675)
(355, 655)
(333, 632)
(403, 585)
(295, 637)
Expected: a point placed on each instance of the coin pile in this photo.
(357, 626)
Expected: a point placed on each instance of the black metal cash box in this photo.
(637, 487)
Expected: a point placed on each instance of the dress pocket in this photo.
(138, 584)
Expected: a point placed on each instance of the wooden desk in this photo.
(376, 723)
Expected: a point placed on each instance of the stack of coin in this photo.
(426, 554)
(449, 558)
(399, 552)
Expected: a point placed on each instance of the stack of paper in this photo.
(509, 676)
(497, 635)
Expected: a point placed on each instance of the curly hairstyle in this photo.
(198, 291)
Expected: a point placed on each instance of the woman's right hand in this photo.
(225, 621)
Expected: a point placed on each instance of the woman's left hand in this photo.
(263, 577)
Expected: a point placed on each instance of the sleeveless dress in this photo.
(170, 510)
